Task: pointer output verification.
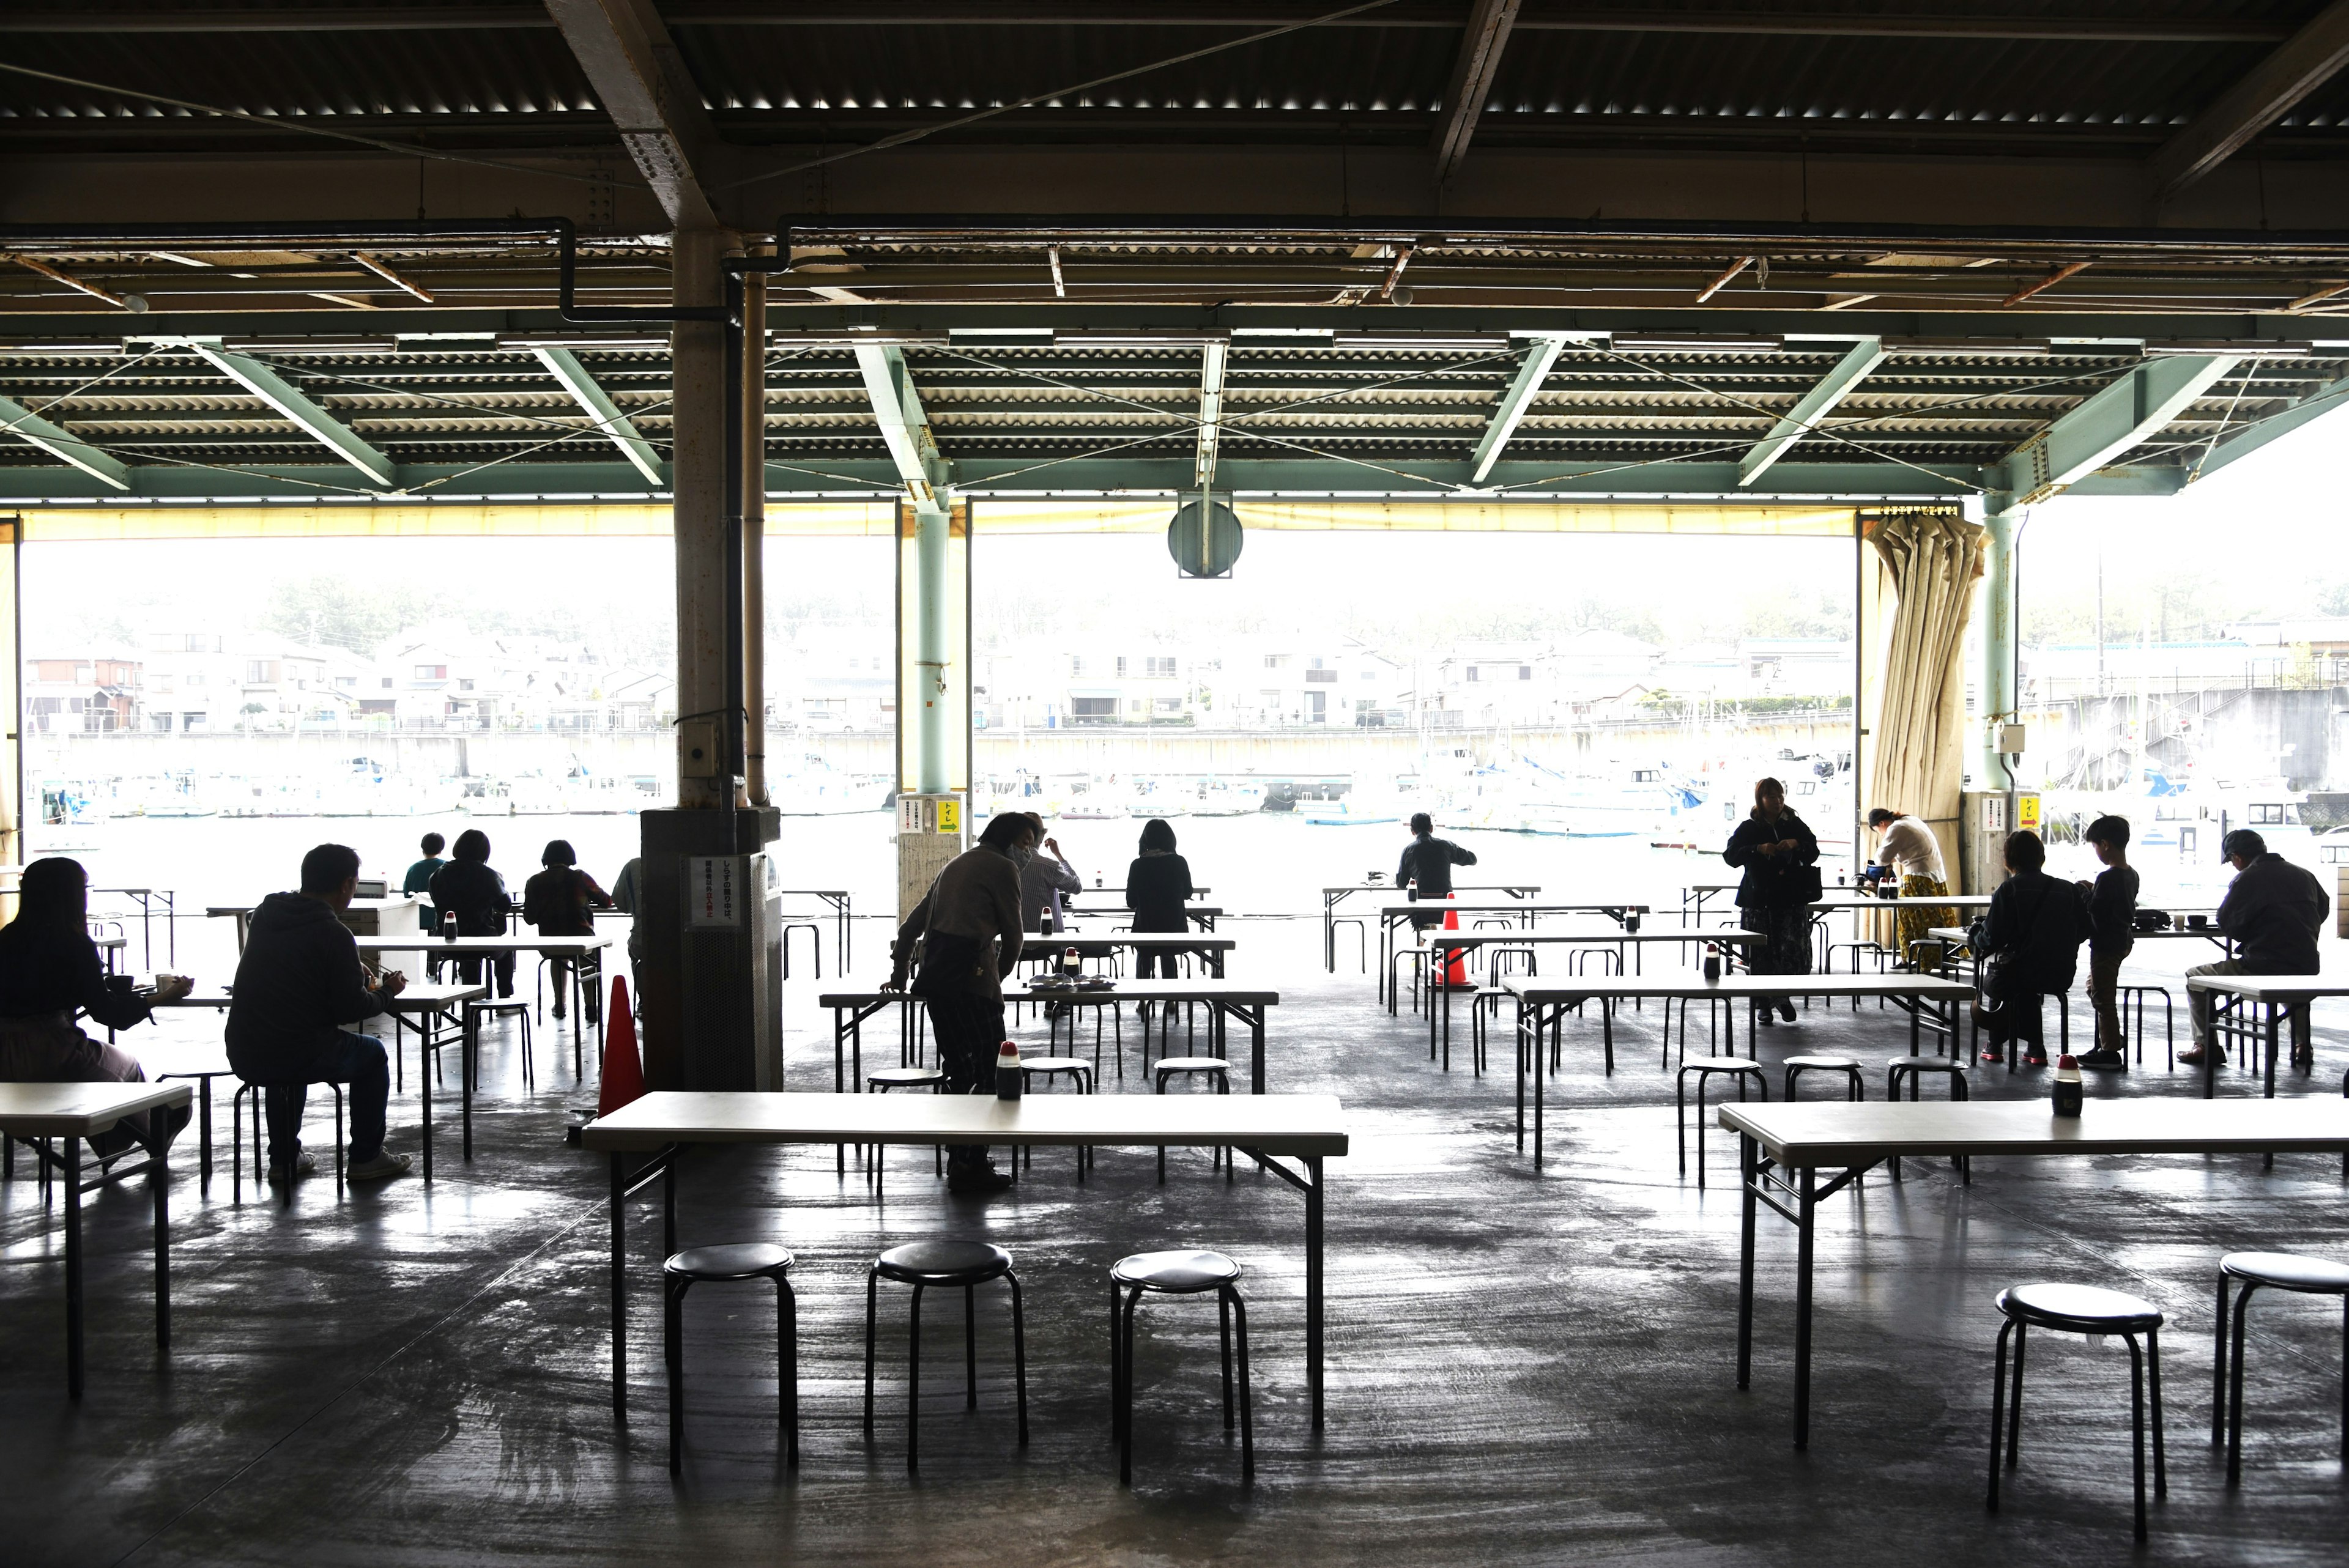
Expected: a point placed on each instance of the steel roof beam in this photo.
(1540, 355)
(29, 427)
(564, 367)
(295, 403)
(2235, 447)
(2125, 413)
(921, 468)
(2299, 67)
(1478, 62)
(643, 84)
(1816, 405)
(1212, 358)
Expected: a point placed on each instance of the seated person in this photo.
(299, 983)
(557, 901)
(477, 895)
(49, 969)
(2036, 925)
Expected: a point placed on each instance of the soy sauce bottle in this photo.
(2069, 1093)
(1010, 1081)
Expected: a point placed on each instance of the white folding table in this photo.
(2274, 995)
(1782, 1147)
(1305, 1128)
(1442, 945)
(1542, 1004)
(586, 953)
(70, 1113)
(1331, 897)
(1520, 913)
(1211, 948)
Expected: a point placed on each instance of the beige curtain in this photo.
(1927, 559)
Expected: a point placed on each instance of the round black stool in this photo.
(1914, 1069)
(2090, 1310)
(730, 1264)
(1740, 1067)
(487, 1008)
(260, 1148)
(944, 1264)
(1077, 1071)
(881, 1080)
(1797, 1066)
(2275, 1271)
(1174, 1274)
(1217, 1070)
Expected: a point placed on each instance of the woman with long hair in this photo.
(50, 972)
(1156, 885)
(1780, 857)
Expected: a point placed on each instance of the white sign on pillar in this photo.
(714, 890)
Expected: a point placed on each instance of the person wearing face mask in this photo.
(969, 928)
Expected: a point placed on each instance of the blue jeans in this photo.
(354, 1059)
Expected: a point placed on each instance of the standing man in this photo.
(2112, 934)
(1428, 861)
(968, 925)
(1909, 847)
(2273, 912)
(299, 982)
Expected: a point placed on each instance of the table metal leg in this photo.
(424, 1094)
(469, 1048)
(159, 1182)
(204, 1139)
(1255, 1049)
(2275, 1012)
(619, 1287)
(1538, 1075)
(1313, 1284)
(1807, 1209)
(69, 1174)
(1749, 1159)
(1521, 1075)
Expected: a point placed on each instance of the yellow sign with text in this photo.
(2026, 813)
(950, 816)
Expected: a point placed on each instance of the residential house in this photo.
(97, 691)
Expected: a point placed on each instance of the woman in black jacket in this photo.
(467, 888)
(1780, 857)
(558, 900)
(2035, 926)
(1157, 885)
(50, 971)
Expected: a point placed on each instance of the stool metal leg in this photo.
(787, 1369)
(970, 1346)
(913, 1379)
(2153, 1387)
(2219, 1369)
(872, 1307)
(2235, 1388)
(1125, 1428)
(1018, 1353)
(1998, 1409)
(673, 1353)
(2136, 1426)
(1247, 1401)
(2014, 1397)
(1223, 1339)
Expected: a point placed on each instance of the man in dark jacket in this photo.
(1428, 861)
(299, 982)
(2273, 912)
(968, 925)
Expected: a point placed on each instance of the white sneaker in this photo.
(305, 1164)
(383, 1166)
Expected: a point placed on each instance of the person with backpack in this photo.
(1780, 857)
(2030, 948)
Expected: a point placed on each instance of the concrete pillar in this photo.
(12, 702)
(699, 480)
(707, 927)
(754, 532)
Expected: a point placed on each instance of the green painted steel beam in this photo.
(1524, 387)
(921, 468)
(295, 404)
(2126, 413)
(1816, 405)
(63, 445)
(564, 367)
(2235, 447)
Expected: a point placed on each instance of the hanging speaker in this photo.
(1204, 537)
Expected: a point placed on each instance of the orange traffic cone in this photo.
(624, 1075)
(1455, 973)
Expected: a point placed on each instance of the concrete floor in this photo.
(1522, 1368)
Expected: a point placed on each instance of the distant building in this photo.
(95, 692)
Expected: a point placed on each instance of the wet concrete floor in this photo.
(1524, 1368)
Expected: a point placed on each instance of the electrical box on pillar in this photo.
(1204, 537)
(934, 663)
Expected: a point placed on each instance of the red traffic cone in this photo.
(1455, 973)
(624, 1075)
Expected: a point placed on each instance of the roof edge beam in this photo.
(1532, 371)
(295, 403)
(904, 426)
(1473, 72)
(2265, 94)
(2125, 413)
(2234, 448)
(63, 445)
(564, 367)
(1816, 405)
